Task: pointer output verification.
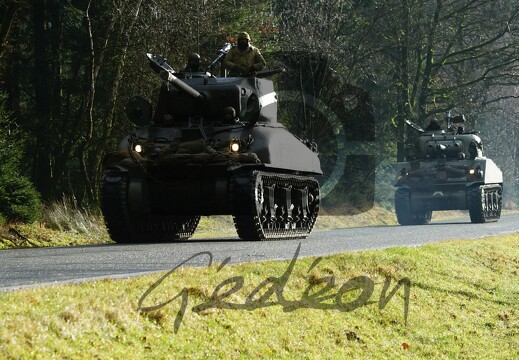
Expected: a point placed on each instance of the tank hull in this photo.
(441, 184)
(213, 149)
(265, 204)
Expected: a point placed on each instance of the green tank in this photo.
(446, 170)
(210, 146)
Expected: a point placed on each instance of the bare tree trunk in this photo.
(114, 93)
(404, 100)
(41, 76)
(426, 76)
(87, 118)
(7, 22)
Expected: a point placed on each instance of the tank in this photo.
(446, 170)
(210, 146)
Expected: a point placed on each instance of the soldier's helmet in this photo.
(244, 35)
(193, 60)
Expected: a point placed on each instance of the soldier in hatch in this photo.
(434, 125)
(193, 64)
(244, 59)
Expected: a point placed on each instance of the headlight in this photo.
(138, 148)
(476, 172)
(234, 145)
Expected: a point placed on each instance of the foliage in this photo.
(9, 139)
(63, 223)
(68, 68)
(19, 201)
(416, 59)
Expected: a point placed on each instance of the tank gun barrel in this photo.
(267, 73)
(159, 65)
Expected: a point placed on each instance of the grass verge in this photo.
(462, 303)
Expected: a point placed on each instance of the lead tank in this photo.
(446, 170)
(211, 146)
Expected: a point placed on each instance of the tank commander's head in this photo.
(243, 40)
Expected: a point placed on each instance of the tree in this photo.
(450, 55)
(19, 201)
(415, 59)
(67, 87)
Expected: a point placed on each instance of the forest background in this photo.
(68, 68)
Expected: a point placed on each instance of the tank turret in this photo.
(210, 146)
(446, 170)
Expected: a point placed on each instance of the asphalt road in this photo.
(35, 267)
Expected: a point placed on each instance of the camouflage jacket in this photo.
(244, 63)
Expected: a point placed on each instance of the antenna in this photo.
(448, 118)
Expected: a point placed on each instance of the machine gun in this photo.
(220, 55)
(450, 120)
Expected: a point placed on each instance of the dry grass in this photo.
(64, 223)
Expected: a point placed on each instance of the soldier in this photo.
(244, 59)
(193, 63)
(434, 125)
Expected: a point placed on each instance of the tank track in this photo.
(403, 210)
(272, 206)
(485, 203)
(125, 227)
